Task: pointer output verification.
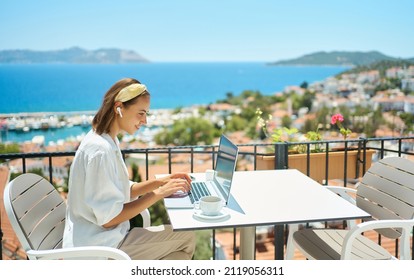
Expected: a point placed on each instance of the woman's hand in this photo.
(171, 187)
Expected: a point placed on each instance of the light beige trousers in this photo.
(158, 243)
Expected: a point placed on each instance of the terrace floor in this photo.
(266, 250)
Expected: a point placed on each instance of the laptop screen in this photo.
(225, 165)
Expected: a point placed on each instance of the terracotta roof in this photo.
(221, 107)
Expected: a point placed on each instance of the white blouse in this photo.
(98, 188)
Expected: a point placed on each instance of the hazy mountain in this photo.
(339, 58)
(71, 55)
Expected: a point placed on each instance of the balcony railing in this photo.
(200, 158)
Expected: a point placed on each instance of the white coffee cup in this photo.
(209, 205)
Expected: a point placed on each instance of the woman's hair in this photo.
(106, 115)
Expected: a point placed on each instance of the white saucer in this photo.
(223, 215)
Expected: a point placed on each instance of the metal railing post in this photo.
(281, 155)
(281, 162)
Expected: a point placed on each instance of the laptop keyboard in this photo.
(198, 190)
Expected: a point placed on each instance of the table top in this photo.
(271, 197)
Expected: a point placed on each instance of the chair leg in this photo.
(146, 218)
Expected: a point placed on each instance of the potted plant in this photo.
(314, 158)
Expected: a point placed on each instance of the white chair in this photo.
(37, 214)
(386, 191)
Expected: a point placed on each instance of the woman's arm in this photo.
(133, 208)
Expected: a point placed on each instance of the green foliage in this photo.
(408, 120)
(37, 171)
(9, 149)
(190, 131)
(286, 121)
(389, 83)
(250, 113)
(203, 245)
(321, 117)
(158, 216)
(177, 110)
(302, 101)
(202, 111)
(284, 134)
(254, 99)
(304, 85)
(375, 120)
(307, 99)
(337, 58)
(120, 136)
(136, 177)
(235, 123)
(313, 135)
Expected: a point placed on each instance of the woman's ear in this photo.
(118, 109)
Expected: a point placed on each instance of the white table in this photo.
(271, 197)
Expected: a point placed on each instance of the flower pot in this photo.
(317, 164)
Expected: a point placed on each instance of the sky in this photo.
(210, 30)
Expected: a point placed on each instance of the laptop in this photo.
(220, 185)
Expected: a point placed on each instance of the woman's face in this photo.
(134, 115)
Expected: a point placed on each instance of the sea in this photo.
(69, 88)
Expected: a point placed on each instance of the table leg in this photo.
(247, 243)
(279, 242)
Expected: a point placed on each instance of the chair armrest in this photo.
(405, 225)
(85, 252)
(343, 192)
(146, 218)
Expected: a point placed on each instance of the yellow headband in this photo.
(129, 92)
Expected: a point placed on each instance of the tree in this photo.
(136, 177)
(236, 123)
(304, 85)
(300, 101)
(9, 149)
(322, 116)
(307, 99)
(375, 120)
(190, 131)
(286, 121)
(37, 171)
(408, 119)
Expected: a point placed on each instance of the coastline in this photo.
(53, 127)
(41, 114)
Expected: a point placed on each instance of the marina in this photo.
(49, 128)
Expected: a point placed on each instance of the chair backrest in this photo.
(36, 212)
(386, 192)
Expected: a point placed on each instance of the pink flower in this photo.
(337, 118)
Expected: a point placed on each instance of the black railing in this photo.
(382, 147)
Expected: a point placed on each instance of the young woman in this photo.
(102, 199)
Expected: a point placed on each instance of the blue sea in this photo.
(74, 87)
